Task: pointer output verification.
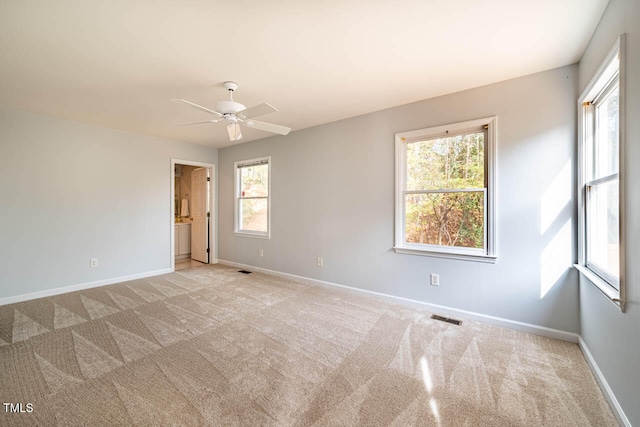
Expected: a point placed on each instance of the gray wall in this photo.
(614, 337)
(71, 192)
(333, 197)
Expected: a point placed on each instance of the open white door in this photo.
(199, 226)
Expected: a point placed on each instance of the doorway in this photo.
(192, 219)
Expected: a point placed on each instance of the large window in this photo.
(601, 144)
(445, 191)
(252, 207)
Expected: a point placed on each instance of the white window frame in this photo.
(489, 252)
(238, 197)
(600, 83)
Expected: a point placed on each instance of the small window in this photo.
(445, 191)
(601, 146)
(252, 188)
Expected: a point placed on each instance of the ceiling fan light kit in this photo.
(234, 113)
(235, 134)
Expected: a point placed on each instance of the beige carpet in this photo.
(211, 346)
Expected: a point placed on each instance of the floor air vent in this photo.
(244, 272)
(447, 319)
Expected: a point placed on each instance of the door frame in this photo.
(212, 208)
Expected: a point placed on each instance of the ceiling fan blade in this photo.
(256, 110)
(235, 134)
(197, 123)
(269, 127)
(199, 107)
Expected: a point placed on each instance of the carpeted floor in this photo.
(211, 346)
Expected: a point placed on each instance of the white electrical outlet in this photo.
(261, 252)
(93, 262)
(320, 262)
(435, 279)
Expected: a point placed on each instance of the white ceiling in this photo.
(117, 63)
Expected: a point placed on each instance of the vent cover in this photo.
(447, 319)
(244, 272)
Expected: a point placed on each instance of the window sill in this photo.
(249, 234)
(490, 259)
(606, 289)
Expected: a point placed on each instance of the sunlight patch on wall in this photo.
(555, 259)
(555, 198)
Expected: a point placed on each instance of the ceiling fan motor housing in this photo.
(229, 107)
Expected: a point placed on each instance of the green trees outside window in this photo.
(252, 197)
(446, 190)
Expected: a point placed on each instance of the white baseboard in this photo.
(493, 320)
(81, 286)
(604, 386)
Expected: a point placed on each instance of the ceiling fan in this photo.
(235, 114)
